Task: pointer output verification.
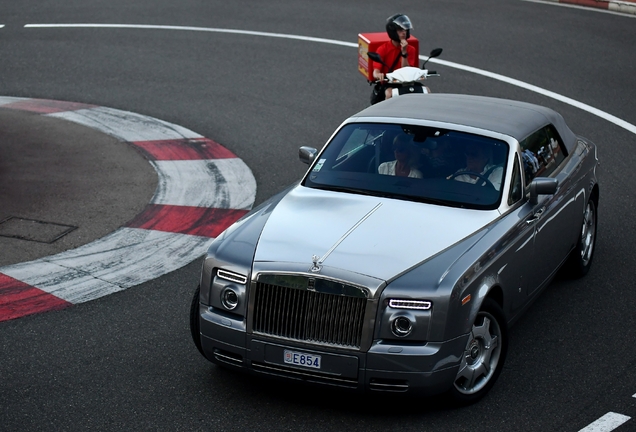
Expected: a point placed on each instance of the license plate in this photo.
(302, 359)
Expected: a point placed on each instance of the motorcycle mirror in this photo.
(435, 53)
(375, 57)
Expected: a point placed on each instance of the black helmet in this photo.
(398, 21)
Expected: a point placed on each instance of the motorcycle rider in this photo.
(397, 52)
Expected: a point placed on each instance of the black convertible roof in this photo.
(513, 118)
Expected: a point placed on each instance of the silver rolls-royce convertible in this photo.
(420, 232)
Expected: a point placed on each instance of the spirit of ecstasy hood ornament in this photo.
(315, 268)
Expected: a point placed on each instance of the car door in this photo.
(553, 216)
(516, 267)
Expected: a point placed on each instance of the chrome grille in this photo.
(308, 316)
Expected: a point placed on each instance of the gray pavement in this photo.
(126, 361)
(63, 185)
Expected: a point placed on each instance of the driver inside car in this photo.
(479, 168)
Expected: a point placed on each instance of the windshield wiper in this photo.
(346, 189)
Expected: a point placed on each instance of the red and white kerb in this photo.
(202, 189)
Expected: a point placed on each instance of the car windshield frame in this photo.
(351, 162)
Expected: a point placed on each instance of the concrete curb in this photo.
(621, 6)
(203, 188)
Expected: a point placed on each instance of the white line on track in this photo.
(585, 8)
(607, 423)
(590, 109)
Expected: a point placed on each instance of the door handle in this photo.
(536, 216)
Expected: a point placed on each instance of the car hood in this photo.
(377, 237)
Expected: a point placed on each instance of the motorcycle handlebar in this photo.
(386, 81)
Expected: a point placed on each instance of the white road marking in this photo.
(607, 423)
(199, 29)
(571, 6)
(590, 109)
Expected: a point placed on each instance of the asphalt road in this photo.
(126, 361)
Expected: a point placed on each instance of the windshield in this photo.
(417, 163)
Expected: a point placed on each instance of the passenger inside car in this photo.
(406, 158)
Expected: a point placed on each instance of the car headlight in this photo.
(228, 291)
(231, 276)
(410, 304)
(405, 319)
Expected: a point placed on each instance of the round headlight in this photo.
(229, 299)
(402, 326)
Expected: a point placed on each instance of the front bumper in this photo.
(423, 369)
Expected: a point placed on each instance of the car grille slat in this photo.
(308, 316)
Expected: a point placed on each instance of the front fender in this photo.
(234, 249)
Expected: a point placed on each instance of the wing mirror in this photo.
(375, 57)
(542, 186)
(307, 154)
(435, 53)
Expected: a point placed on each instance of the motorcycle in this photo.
(404, 80)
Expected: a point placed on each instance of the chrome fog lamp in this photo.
(401, 326)
(229, 299)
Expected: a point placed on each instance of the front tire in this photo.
(195, 328)
(484, 355)
(580, 259)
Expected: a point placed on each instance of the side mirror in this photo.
(375, 57)
(435, 53)
(542, 186)
(307, 154)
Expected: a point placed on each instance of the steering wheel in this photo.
(474, 174)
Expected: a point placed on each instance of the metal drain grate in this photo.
(33, 230)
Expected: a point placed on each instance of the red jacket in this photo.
(389, 52)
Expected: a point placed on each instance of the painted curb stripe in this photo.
(18, 299)
(185, 149)
(120, 260)
(202, 189)
(199, 221)
(588, 3)
(127, 126)
(45, 106)
(220, 183)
